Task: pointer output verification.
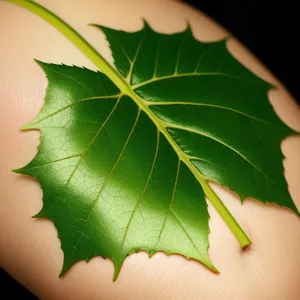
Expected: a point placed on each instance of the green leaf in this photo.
(124, 160)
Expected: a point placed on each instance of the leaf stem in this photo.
(124, 87)
(74, 37)
(231, 222)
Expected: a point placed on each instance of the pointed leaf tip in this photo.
(118, 263)
(146, 24)
(26, 127)
(18, 171)
(188, 27)
(40, 214)
(211, 266)
(95, 25)
(41, 63)
(37, 61)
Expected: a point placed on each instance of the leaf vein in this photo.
(171, 202)
(84, 152)
(54, 161)
(182, 75)
(68, 77)
(187, 234)
(221, 142)
(135, 58)
(76, 102)
(150, 103)
(107, 178)
(122, 48)
(144, 190)
(179, 54)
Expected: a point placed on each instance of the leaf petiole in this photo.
(231, 222)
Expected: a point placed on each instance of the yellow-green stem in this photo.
(125, 88)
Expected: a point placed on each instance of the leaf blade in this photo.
(146, 64)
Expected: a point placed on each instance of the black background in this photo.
(269, 29)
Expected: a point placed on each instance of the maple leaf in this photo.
(125, 156)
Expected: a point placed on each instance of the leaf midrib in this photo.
(128, 90)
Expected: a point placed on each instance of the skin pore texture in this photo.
(29, 248)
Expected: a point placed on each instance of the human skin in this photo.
(30, 249)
